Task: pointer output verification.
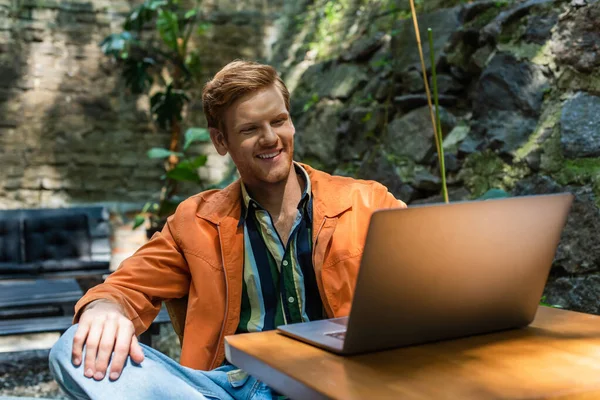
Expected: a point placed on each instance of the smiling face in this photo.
(259, 136)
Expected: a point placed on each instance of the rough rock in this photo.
(511, 85)
(576, 40)
(364, 47)
(577, 293)
(411, 101)
(378, 166)
(335, 80)
(452, 163)
(425, 180)
(316, 139)
(454, 194)
(404, 46)
(579, 248)
(448, 84)
(505, 130)
(412, 82)
(453, 139)
(539, 28)
(507, 101)
(580, 126)
(355, 135)
(411, 135)
(491, 31)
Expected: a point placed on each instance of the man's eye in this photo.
(279, 122)
(247, 130)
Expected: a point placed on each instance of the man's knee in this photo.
(62, 350)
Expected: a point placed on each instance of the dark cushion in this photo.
(10, 241)
(39, 267)
(57, 238)
(70, 265)
(12, 268)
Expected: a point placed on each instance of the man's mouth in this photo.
(267, 156)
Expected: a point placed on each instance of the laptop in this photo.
(444, 271)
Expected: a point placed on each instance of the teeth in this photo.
(268, 155)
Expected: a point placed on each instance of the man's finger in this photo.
(124, 337)
(78, 342)
(136, 352)
(91, 348)
(105, 349)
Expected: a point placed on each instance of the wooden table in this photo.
(556, 357)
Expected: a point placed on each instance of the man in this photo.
(281, 245)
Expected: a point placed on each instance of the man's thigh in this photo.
(157, 377)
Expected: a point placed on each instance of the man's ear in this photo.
(218, 139)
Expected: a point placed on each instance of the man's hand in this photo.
(104, 328)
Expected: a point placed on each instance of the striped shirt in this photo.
(279, 284)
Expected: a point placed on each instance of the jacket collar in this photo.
(331, 197)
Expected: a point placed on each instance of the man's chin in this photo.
(277, 174)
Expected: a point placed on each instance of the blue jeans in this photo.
(157, 377)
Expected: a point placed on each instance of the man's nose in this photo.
(269, 136)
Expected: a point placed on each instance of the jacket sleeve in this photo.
(384, 199)
(157, 271)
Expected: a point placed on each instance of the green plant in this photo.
(543, 302)
(435, 117)
(314, 99)
(186, 170)
(155, 59)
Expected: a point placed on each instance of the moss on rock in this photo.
(483, 18)
(524, 51)
(486, 170)
(548, 122)
(580, 171)
(570, 79)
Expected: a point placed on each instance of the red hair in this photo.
(234, 81)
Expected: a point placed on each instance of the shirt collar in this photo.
(305, 199)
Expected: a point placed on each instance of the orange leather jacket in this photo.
(199, 255)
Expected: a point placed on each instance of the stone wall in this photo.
(68, 133)
(519, 86)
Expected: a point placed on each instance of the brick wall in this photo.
(68, 133)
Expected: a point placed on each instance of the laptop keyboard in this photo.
(338, 335)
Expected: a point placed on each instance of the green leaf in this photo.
(183, 172)
(199, 161)
(169, 206)
(137, 76)
(143, 14)
(544, 303)
(202, 28)
(193, 135)
(194, 164)
(168, 28)
(190, 14)
(138, 221)
(115, 44)
(194, 64)
(155, 4)
(167, 106)
(157, 152)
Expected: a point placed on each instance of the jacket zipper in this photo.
(222, 333)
